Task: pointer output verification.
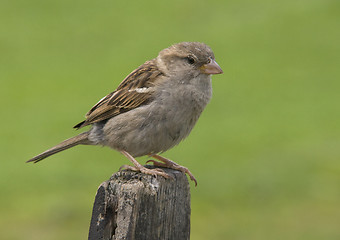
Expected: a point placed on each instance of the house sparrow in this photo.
(153, 109)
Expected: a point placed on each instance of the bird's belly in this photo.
(146, 130)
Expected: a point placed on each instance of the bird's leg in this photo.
(140, 168)
(171, 164)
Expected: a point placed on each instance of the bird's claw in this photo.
(128, 167)
(154, 172)
(173, 165)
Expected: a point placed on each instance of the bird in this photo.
(152, 110)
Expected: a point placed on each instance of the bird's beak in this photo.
(211, 68)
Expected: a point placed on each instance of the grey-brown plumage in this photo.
(153, 109)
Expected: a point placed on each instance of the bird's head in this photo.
(188, 59)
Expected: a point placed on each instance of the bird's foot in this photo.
(154, 172)
(171, 164)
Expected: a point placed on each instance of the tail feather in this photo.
(68, 143)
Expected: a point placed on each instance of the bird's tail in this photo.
(68, 143)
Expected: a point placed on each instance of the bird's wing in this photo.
(135, 90)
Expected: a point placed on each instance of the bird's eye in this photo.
(190, 60)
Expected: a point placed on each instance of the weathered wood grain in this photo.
(136, 206)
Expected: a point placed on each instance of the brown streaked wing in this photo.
(124, 98)
(101, 102)
(144, 76)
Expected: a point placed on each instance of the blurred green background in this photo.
(266, 151)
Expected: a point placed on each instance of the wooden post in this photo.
(135, 206)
